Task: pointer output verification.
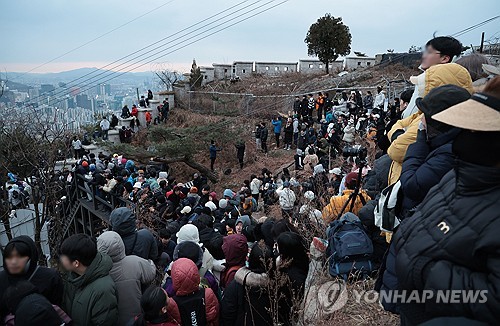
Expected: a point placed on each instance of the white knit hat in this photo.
(211, 205)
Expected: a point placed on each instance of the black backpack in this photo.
(192, 308)
(349, 248)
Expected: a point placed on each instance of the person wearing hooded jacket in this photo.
(137, 242)
(189, 232)
(185, 281)
(404, 132)
(235, 250)
(246, 299)
(191, 250)
(20, 262)
(130, 274)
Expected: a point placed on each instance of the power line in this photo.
(148, 46)
(93, 40)
(192, 42)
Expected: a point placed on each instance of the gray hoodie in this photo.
(128, 272)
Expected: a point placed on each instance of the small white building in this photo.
(208, 74)
(353, 63)
(222, 71)
(275, 68)
(242, 69)
(314, 66)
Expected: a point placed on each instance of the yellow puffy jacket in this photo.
(332, 210)
(397, 150)
(435, 76)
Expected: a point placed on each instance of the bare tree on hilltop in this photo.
(328, 38)
(31, 149)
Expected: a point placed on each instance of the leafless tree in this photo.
(32, 149)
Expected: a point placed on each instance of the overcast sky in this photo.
(34, 32)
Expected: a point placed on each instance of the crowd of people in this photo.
(414, 205)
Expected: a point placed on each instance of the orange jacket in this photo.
(332, 210)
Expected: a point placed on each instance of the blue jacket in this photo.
(424, 166)
(277, 126)
(213, 151)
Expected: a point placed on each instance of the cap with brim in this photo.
(480, 113)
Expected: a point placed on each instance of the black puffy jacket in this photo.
(453, 242)
(47, 281)
(424, 166)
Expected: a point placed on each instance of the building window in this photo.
(267, 67)
(359, 63)
(311, 66)
(206, 77)
(225, 70)
(276, 68)
(320, 66)
(368, 63)
(234, 70)
(243, 71)
(286, 69)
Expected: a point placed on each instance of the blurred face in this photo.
(204, 192)
(16, 264)
(239, 228)
(432, 57)
(69, 265)
(402, 105)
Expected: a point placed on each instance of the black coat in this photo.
(246, 300)
(137, 242)
(288, 133)
(424, 166)
(452, 242)
(263, 134)
(240, 150)
(47, 281)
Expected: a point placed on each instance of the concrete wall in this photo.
(353, 63)
(316, 66)
(222, 71)
(275, 68)
(242, 69)
(208, 75)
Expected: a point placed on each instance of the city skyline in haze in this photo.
(36, 32)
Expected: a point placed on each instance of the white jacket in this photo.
(349, 134)
(287, 199)
(255, 186)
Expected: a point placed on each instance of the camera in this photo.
(355, 151)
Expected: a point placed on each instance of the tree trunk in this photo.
(212, 176)
(327, 68)
(38, 226)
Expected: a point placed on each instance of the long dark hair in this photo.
(292, 248)
(152, 301)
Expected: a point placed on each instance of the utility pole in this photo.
(482, 43)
